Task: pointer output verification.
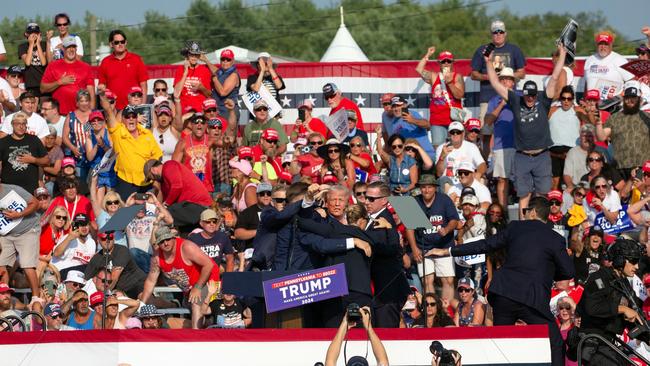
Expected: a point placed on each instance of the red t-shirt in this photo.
(310, 166)
(120, 75)
(370, 169)
(347, 104)
(81, 205)
(316, 125)
(66, 95)
(199, 74)
(180, 184)
(49, 241)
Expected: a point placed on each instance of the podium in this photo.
(249, 285)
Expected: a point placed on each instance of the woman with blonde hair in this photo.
(105, 208)
(55, 227)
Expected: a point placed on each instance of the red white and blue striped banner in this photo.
(514, 345)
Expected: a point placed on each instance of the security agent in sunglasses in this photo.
(609, 305)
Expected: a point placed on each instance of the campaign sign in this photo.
(12, 201)
(338, 124)
(638, 68)
(470, 260)
(106, 163)
(305, 288)
(623, 222)
(361, 175)
(263, 94)
(147, 111)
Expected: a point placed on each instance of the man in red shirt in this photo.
(193, 150)
(183, 193)
(307, 124)
(336, 101)
(192, 81)
(66, 76)
(121, 70)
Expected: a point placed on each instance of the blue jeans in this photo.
(141, 258)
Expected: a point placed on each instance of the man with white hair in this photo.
(603, 70)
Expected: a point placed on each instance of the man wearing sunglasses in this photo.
(605, 305)
(506, 55)
(556, 219)
(54, 318)
(336, 101)
(467, 179)
(458, 149)
(193, 150)
(226, 81)
(121, 70)
(519, 289)
(216, 244)
(254, 129)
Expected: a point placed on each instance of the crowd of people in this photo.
(210, 196)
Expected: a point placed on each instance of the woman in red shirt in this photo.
(361, 159)
(57, 225)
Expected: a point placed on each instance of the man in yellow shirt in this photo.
(134, 145)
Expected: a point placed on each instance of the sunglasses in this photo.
(158, 90)
(579, 195)
(397, 146)
(198, 122)
(210, 110)
(272, 142)
(495, 213)
(568, 99)
(61, 218)
(446, 61)
(564, 307)
(315, 143)
(591, 160)
(330, 97)
(161, 139)
(499, 32)
(136, 95)
(462, 173)
(356, 145)
(385, 104)
(62, 24)
(54, 317)
(360, 193)
(102, 281)
(109, 203)
(261, 109)
(214, 127)
(464, 289)
(603, 186)
(409, 149)
(226, 59)
(265, 193)
(119, 42)
(431, 304)
(333, 151)
(212, 221)
(373, 199)
(455, 132)
(555, 203)
(279, 200)
(42, 198)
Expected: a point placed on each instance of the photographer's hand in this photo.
(365, 317)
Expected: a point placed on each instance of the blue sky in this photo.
(628, 16)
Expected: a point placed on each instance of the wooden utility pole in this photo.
(93, 40)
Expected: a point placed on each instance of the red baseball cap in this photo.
(605, 37)
(227, 54)
(445, 55)
(286, 176)
(646, 278)
(646, 166)
(96, 298)
(96, 114)
(245, 152)
(109, 94)
(592, 94)
(209, 103)
(473, 124)
(5, 288)
(330, 178)
(554, 195)
(135, 89)
(270, 134)
(68, 161)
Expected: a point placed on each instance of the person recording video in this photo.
(353, 316)
(444, 357)
(609, 304)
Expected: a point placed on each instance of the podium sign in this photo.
(305, 288)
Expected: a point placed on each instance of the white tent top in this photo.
(343, 47)
(244, 56)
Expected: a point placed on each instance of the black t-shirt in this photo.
(215, 247)
(14, 172)
(34, 72)
(231, 315)
(132, 277)
(532, 130)
(249, 219)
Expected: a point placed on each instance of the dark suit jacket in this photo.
(357, 265)
(536, 255)
(271, 232)
(386, 269)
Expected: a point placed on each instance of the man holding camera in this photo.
(609, 304)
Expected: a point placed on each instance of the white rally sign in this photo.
(263, 94)
(338, 124)
(12, 201)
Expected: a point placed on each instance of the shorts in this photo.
(532, 174)
(503, 161)
(441, 267)
(26, 246)
(486, 129)
(557, 164)
(438, 135)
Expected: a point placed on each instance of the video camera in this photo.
(354, 313)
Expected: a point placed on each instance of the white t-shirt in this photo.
(138, 231)
(58, 126)
(565, 127)
(466, 152)
(482, 192)
(58, 54)
(612, 202)
(5, 89)
(36, 125)
(76, 254)
(605, 74)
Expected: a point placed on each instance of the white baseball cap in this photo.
(466, 166)
(76, 277)
(456, 126)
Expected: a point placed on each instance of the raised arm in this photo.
(555, 76)
(494, 78)
(111, 119)
(426, 75)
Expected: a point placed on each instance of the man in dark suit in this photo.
(521, 288)
(391, 286)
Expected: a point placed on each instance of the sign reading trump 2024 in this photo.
(305, 288)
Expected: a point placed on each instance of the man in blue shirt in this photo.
(443, 215)
(410, 124)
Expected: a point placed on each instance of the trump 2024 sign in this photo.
(305, 288)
